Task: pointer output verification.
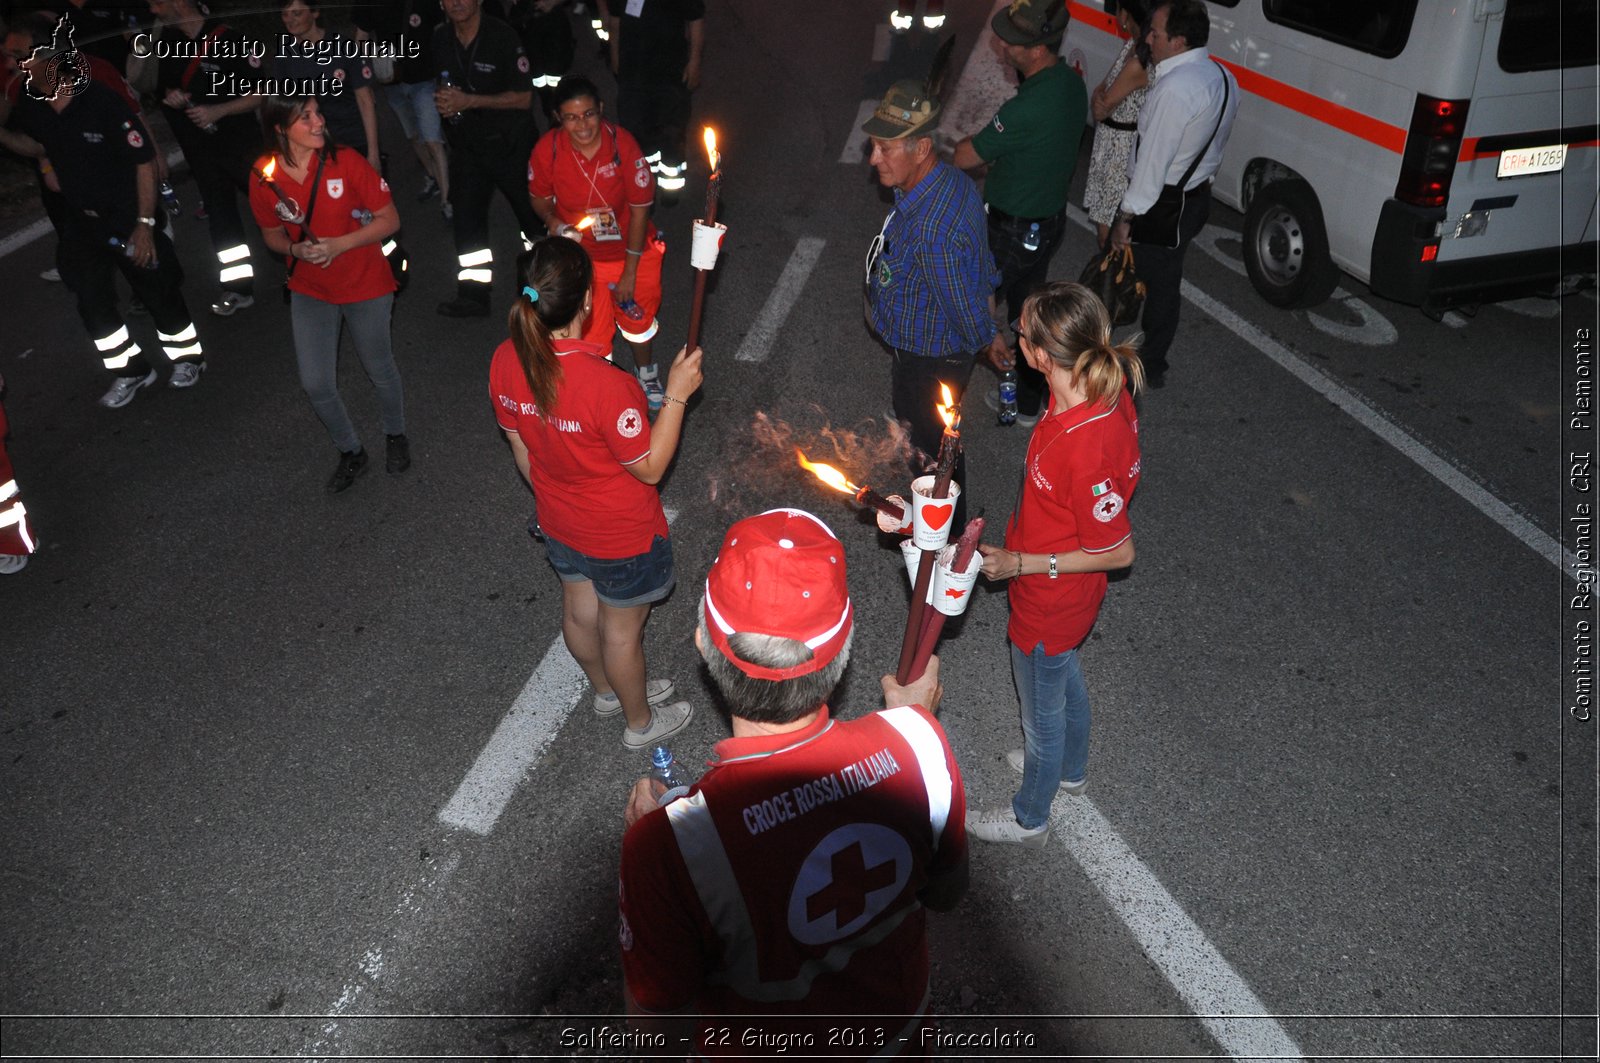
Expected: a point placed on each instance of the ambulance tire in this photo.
(1286, 246)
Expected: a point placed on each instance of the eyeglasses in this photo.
(875, 248)
(574, 119)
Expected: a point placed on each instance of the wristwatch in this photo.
(148, 221)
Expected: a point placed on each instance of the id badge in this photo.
(605, 225)
(634, 9)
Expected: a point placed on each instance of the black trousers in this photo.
(89, 265)
(479, 168)
(657, 114)
(914, 390)
(1021, 272)
(1161, 269)
(220, 164)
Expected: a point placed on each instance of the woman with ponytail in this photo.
(581, 436)
(1069, 529)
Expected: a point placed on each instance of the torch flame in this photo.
(946, 407)
(826, 473)
(711, 149)
(269, 169)
(584, 222)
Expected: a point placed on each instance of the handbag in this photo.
(1161, 223)
(1111, 276)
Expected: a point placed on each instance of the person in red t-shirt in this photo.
(581, 438)
(590, 182)
(335, 215)
(792, 881)
(1070, 528)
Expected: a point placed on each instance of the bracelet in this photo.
(635, 254)
(1019, 565)
(680, 402)
(1052, 566)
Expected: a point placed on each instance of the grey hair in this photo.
(770, 700)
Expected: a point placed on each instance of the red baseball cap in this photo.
(780, 573)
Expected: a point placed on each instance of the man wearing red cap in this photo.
(792, 880)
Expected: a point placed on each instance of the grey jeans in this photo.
(316, 347)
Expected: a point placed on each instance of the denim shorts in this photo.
(619, 582)
(413, 105)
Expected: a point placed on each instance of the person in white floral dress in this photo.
(1115, 105)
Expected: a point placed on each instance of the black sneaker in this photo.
(430, 188)
(398, 455)
(461, 306)
(350, 466)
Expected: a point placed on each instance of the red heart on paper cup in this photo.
(936, 516)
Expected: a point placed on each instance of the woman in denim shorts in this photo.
(581, 436)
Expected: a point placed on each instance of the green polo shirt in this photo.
(1031, 146)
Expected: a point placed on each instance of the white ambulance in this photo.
(1442, 151)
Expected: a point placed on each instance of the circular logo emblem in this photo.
(848, 880)
(1108, 507)
(134, 139)
(641, 178)
(338, 75)
(522, 63)
(630, 423)
(70, 73)
(416, 19)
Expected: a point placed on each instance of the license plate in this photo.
(1519, 162)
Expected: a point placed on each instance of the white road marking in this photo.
(1222, 1001)
(855, 145)
(1381, 426)
(524, 733)
(759, 340)
(880, 44)
(31, 232)
(1439, 467)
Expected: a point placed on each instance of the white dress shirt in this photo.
(1185, 97)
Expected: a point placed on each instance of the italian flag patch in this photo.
(1103, 487)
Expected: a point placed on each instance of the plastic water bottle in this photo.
(169, 199)
(632, 310)
(663, 767)
(446, 83)
(362, 215)
(127, 249)
(1008, 397)
(1031, 241)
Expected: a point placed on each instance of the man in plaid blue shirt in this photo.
(930, 275)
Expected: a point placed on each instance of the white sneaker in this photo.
(1000, 825)
(1014, 758)
(665, 721)
(655, 692)
(654, 392)
(232, 302)
(185, 374)
(11, 564)
(52, 275)
(123, 388)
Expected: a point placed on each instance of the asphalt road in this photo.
(291, 774)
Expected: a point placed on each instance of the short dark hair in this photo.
(278, 113)
(573, 87)
(769, 700)
(1188, 19)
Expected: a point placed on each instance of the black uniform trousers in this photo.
(89, 264)
(657, 114)
(479, 165)
(1161, 269)
(1021, 272)
(220, 163)
(914, 391)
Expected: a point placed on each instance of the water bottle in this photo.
(1031, 241)
(1008, 397)
(445, 83)
(362, 215)
(209, 127)
(169, 199)
(127, 249)
(663, 767)
(632, 310)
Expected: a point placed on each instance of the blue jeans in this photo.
(315, 325)
(1055, 729)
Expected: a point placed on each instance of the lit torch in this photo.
(949, 450)
(837, 480)
(707, 239)
(288, 210)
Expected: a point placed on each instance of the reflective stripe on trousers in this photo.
(476, 267)
(184, 343)
(117, 349)
(235, 263)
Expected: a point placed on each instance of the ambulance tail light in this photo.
(1432, 144)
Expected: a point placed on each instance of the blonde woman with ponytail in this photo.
(1069, 529)
(581, 435)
